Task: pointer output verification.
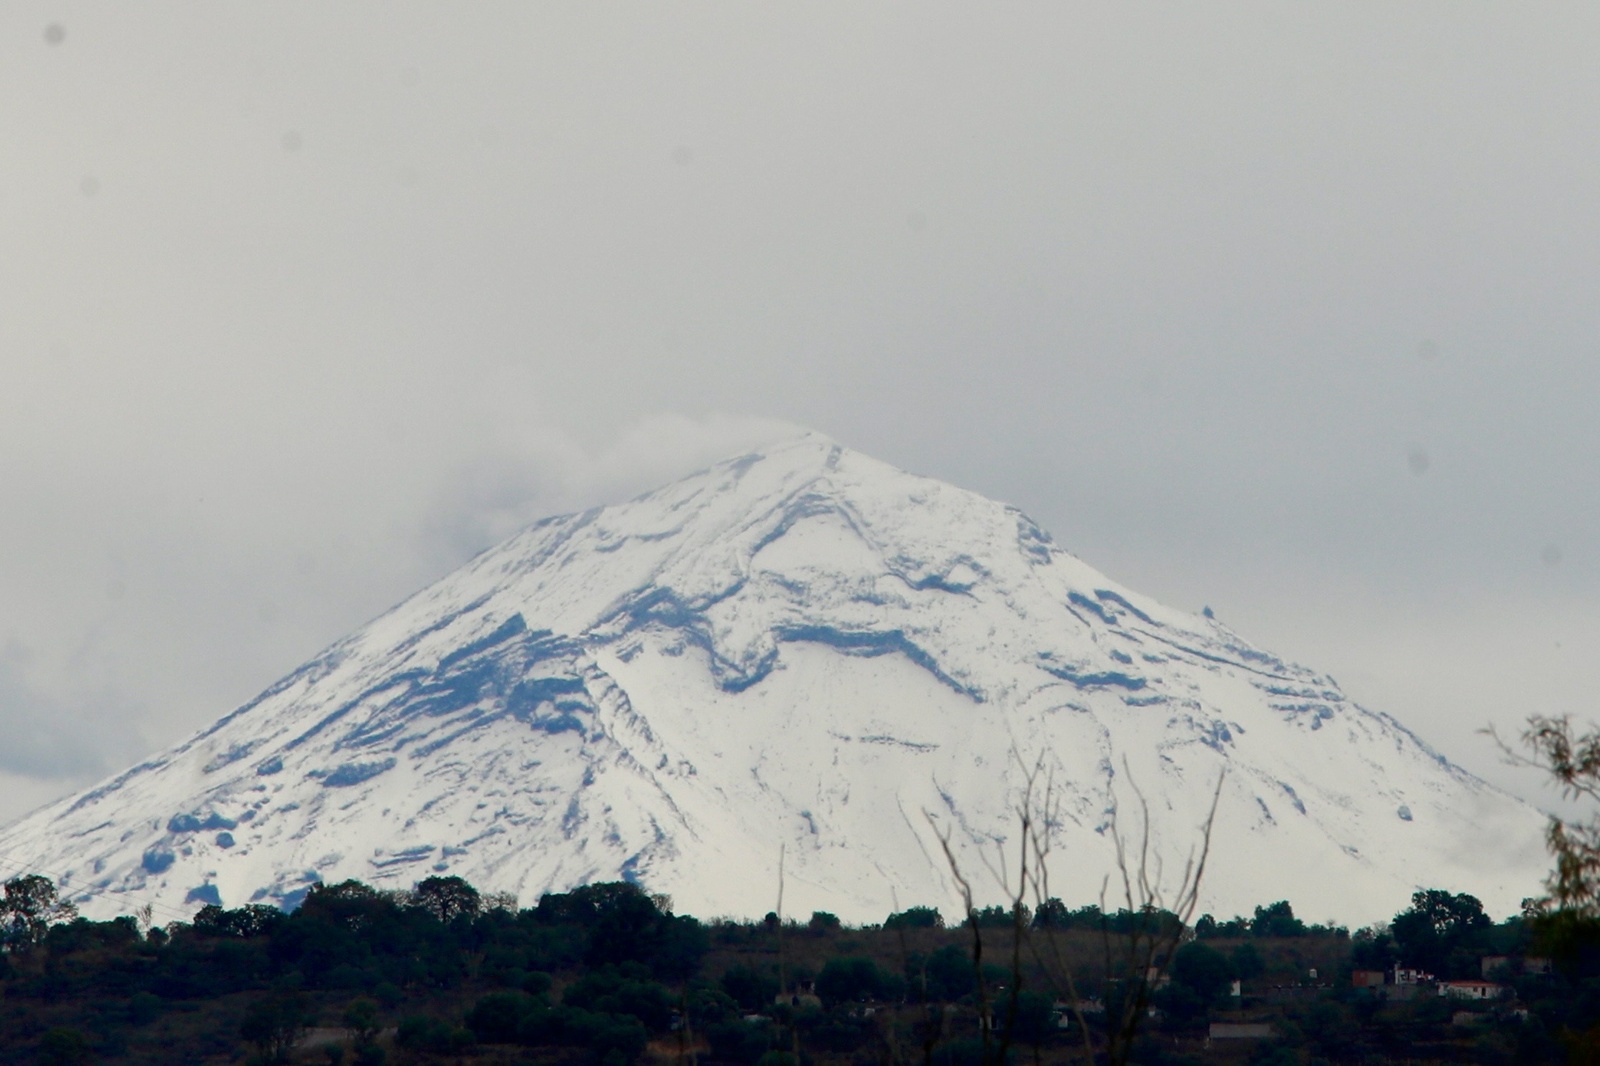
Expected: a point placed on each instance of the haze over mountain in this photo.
(802, 650)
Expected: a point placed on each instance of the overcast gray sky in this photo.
(1286, 309)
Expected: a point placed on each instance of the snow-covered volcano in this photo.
(804, 650)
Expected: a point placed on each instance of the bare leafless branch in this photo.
(1134, 959)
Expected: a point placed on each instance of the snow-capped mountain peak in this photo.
(802, 649)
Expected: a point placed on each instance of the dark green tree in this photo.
(1332, 1029)
(419, 1032)
(625, 924)
(29, 908)
(950, 974)
(497, 1018)
(1436, 924)
(143, 1008)
(823, 923)
(1277, 919)
(253, 919)
(1247, 962)
(1373, 949)
(749, 987)
(1201, 976)
(915, 918)
(1052, 914)
(849, 980)
(1203, 970)
(1209, 928)
(446, 898)
(273, 1024)
(625, 990)
(1035, 1019)
(998, 917)
(361, 1017)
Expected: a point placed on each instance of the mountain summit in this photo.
(802, 651)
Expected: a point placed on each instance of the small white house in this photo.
(1471, 989)
(1406, 976)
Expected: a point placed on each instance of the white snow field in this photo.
(802, 650)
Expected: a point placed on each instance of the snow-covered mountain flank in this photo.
(804, 650)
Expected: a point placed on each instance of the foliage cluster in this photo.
(608, 976)
(1273, 920)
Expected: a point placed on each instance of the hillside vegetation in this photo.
(608, 976)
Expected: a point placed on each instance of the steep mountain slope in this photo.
(803, 650)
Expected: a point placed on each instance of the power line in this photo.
(24, 868)
(132, 902)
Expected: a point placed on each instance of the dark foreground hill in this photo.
(608, 976)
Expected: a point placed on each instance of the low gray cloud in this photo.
(523, 477)
(1283, 309)
(48, 739)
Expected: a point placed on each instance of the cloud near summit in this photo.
(51, 740)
